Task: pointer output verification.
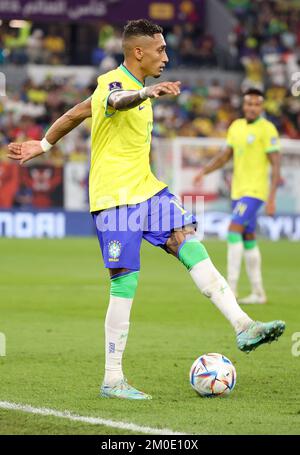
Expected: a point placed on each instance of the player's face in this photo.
(154, 56)
(252, 107)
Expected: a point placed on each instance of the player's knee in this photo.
(118, 271)
(178, 238)
(236, 228)
(124, 284)
(234, 237)
(249, 240)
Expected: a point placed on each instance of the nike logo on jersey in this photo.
(141, 107)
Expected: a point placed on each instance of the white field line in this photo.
(90, 420)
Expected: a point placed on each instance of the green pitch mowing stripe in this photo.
(125, 426)
(53, 300)
(17, 422)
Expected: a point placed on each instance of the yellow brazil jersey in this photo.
(251, 142)
(120, 169)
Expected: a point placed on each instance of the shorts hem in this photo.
(122, 266)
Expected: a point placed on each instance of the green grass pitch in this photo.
(53, 299)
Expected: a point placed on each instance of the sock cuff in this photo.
(191, 252)
(124, 285)
(250, 244)
(234, 237)
(117, 275)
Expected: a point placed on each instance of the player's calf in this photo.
(234, 256)
(212, 284)
(253, 267)
(194, 256)
(123, 287)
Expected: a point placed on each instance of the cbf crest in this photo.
(114, 250)
(250, 138)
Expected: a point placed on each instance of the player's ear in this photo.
(138, 52)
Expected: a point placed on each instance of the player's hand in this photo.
(163, 88)
(24, 151)
(198, 178)
(270, 207)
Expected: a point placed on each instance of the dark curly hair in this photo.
(141, 27)
(253, 91)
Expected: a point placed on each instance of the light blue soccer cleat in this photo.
(123, 390)
(259, 333)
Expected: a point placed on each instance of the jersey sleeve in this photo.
(272, 142)
(107, 87)
(229, 137)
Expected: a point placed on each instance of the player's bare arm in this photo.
(274, 159)
(122, 100)
(216, 163)
(25, 151)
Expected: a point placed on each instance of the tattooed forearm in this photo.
(122, 100)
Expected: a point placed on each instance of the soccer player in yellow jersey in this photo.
(253, 144)
(129, 204)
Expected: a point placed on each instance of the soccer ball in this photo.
(212, 375)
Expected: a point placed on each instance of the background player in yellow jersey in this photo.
(254, 145)
(129, 204)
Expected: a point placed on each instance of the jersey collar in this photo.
(130, 75)
(254, 121)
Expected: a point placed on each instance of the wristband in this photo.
(143, 93)
(46, 146)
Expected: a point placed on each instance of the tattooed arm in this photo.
(123, 100)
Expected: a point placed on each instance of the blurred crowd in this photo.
(21, 43)
(207, 110)
(96, 44)
(202, 110)
(265, 42)
(26, 114)
(188, 46)
(266, 39)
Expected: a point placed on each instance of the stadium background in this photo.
(51, 57)
(54, 291)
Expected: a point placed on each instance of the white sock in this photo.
(253, 268)
(234, 260)
(213, 285)
(116, 332)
